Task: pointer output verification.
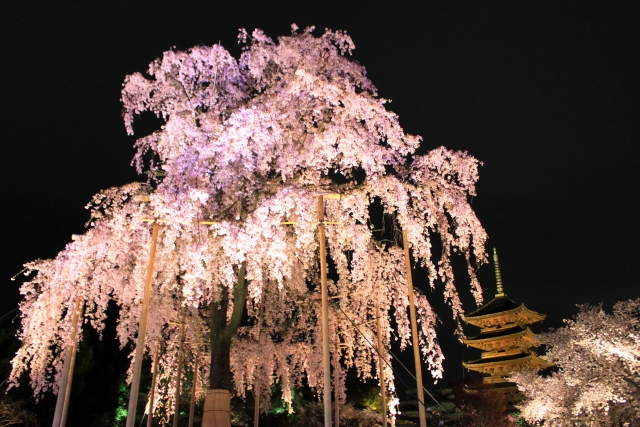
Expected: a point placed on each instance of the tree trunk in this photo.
(217, 403)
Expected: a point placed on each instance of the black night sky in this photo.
(546, 94)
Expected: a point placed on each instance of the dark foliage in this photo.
(481, 406)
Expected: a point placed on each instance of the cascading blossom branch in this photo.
(245, 147)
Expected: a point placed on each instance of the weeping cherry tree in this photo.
(245, 148)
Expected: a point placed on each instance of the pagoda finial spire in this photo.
(498, 275)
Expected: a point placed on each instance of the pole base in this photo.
(217, 407)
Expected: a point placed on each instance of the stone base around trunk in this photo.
(217, 408)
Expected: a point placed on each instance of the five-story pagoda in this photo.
(505, 340)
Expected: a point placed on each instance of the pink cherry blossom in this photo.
(598, 378)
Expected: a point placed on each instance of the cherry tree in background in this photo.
(246, 146)
(598, 378)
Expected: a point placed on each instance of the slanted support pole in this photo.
(256, 383)
(325, 315)
(256, 396)
(154, 378)
(336, 383)
(64, 392)
(192, 408)
(142, 332)
(383, 393)
(337, 407)
(176, 412)
(414, 332)
(74, 352)
(57, 417)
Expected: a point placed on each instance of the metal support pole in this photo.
(192, 408)
(383, 393)
(142, 332)
(154, 378)
(64, 392)
(176, 413)
(325, 315)
(414, 333)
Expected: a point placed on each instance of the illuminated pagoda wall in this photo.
(505, 340)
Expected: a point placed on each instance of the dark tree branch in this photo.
(632, 383)
(239, 301)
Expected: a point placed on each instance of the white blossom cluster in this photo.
(246, 145)
(598, 378)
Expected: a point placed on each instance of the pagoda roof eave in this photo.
(482, 363)
(479, 339)
(497, 305)
(536, 317)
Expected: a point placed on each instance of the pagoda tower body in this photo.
(505, 341)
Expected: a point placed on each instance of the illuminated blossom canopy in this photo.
(598, 378)
(245, 147)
